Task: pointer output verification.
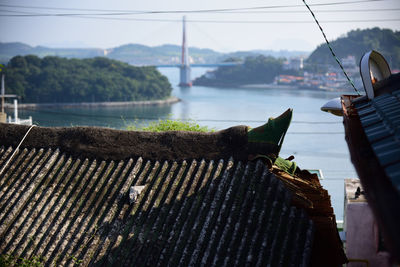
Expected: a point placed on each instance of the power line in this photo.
(334, 179)
(100, 16)
(316, 11)
(157, 118)
(305, 153)
(207, 21)
(189, 11)
(25, 13)
(230, 12)
(338, 172)
(35, 14)
(311, 133)
(331, 49)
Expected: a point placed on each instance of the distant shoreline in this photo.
(168, 101)
(294, 87)
(268, 86)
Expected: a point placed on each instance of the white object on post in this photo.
(16, 119)
(373, 68)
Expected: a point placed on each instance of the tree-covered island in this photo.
(258, 69)
(60, 80)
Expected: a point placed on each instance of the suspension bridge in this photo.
(185, 66)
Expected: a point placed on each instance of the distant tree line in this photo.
(258, 69)
(56, 80)
(358, 42)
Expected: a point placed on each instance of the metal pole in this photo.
(16, 110)
(3, 92)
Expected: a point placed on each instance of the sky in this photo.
(223, 25)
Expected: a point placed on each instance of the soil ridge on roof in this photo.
(105, 143)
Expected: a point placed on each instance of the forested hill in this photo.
(356, 43)
(57, 80)
(259, 69)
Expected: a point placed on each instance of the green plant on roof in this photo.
(6, 260)
(171, 125)
(10, 260)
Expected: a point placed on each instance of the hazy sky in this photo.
(106, 23)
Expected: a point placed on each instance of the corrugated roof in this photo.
(380, 118)
(72, 210)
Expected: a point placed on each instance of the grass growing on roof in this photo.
(171, 125)
(11, 260)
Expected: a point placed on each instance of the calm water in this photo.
(315, 138)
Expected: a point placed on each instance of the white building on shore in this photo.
(3, 115)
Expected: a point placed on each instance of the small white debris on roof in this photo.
(134, 193)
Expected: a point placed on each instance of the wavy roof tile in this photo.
(380, 119)
(70, 209)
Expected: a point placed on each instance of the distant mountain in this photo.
(9, 50)
(165, 54)
(356, 43)
(137, 54)
(267, 53)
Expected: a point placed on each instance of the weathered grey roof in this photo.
(373, 135)
(380, 119)
(65, 196)
(76, 210)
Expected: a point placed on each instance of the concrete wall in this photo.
(361, 232)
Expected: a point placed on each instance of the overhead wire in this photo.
(26, 13)
(98, 117)
(227, 13)
(315, 153)
(189, 11)
(157, 118)
(110, 17)
(316, 11)
(111, 14)
(333, 179)
(331, 49)
(204, 21)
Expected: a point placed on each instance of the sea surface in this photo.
(315, 138)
